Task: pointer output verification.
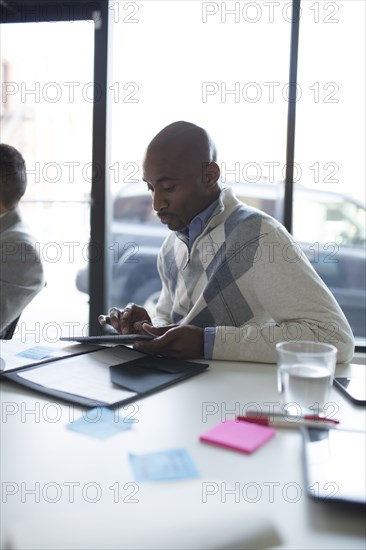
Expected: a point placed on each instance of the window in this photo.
(216, 68)
(330, 150)
(47, 99)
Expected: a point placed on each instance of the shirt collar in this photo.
(198, 223)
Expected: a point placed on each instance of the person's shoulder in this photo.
(168, 243)
(240, 212)
(15, 230)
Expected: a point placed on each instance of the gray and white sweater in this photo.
(247, 283)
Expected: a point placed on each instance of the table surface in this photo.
(48, 471)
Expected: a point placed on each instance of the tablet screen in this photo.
(353, 386)
(334, 462)
(108, 338)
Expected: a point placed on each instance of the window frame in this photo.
(38, 11)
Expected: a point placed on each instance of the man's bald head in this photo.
(181, 172)
(186, 141)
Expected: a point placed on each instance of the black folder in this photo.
(152, 373)
(142, 376)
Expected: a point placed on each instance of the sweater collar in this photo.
(208, 216)
(190, 233)
(9, 218)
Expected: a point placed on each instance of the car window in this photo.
(342, 223)
(135, 209)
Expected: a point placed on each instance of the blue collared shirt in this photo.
(192, 231)
(199, 222)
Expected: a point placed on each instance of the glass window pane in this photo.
(329, 208)
(222, 66)
(47, 101)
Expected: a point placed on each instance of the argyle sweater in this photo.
(247, 283)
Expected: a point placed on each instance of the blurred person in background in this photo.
(21, 271)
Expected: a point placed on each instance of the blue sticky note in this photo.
(36, 352)
(163, 465)
(100, 422)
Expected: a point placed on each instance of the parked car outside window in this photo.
(329, 227)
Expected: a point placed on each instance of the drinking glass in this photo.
(305, 373)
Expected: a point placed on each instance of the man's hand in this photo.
(180, 342)
(128, 320)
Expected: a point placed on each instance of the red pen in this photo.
(317, 418)
(285, 422)
(291, 417)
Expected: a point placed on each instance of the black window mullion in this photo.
(100, 192)
(291, 116)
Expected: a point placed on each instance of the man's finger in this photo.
(154, 331)
(114, 312)
(127, 310)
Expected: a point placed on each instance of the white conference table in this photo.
(66, 490)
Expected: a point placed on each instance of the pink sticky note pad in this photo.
(239, 435)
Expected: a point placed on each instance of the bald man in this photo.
(229, 290)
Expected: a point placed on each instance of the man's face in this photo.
(177, 188)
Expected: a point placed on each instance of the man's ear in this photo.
(212, 174)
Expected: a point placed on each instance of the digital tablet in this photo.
(108, 338)
(334, 464)
(353, 387)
